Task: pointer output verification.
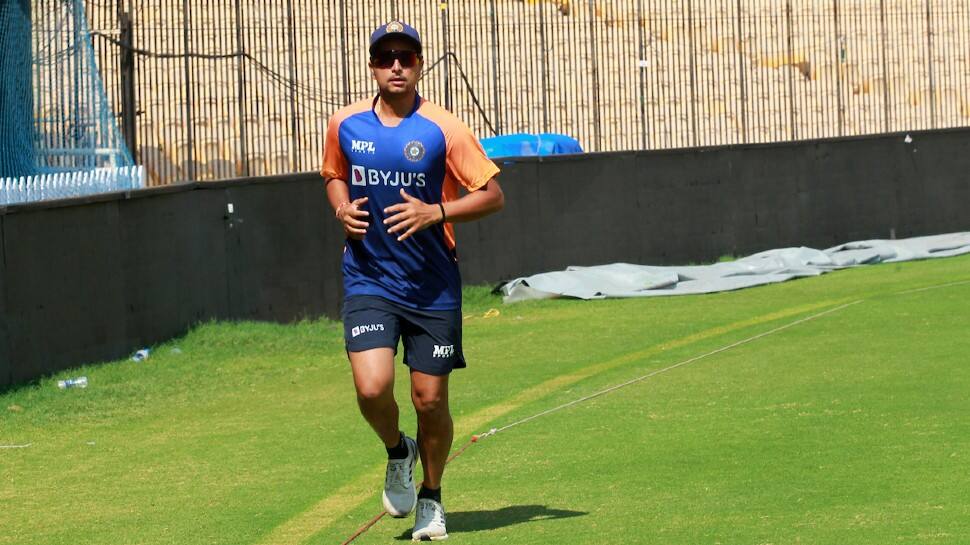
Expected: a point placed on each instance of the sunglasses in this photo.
(385, 59)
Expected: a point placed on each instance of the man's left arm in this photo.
(414, 215)
(472, 169)
(477, 204)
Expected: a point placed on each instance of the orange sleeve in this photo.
(334, 160)
(466, 160)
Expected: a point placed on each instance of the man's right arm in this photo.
(348, 212)
(335, 172)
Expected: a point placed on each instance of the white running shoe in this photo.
(429, 524)
(399, 493)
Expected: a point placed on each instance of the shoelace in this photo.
(397, 474)
(437, 515)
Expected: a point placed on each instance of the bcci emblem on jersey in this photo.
(414, 151)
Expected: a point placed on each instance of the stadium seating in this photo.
(828, 64)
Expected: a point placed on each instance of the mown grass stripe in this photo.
(322, 514)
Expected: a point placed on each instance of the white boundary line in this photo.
(493, 431)
(16, 446)
(938, 286)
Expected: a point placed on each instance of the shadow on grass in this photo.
(476, 521)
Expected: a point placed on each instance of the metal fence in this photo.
(221, 88)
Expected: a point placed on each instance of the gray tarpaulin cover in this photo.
(625, 280)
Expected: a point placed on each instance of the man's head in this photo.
(395, 57)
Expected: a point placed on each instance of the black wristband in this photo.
(443, 217)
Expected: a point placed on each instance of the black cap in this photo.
(394, 28)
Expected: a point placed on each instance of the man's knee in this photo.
(371, 392)
(429, 403)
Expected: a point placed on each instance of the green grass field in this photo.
(851, 428)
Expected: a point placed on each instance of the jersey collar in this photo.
(373, 108)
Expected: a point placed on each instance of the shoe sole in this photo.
(414, 490)
(388, 508)
(430, 538)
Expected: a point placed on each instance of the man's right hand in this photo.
(353, 218)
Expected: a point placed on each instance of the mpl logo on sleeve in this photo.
(363, 146)
(443, 351)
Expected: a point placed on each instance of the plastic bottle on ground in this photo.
(141, 355)
(79, 382)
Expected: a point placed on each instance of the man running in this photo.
(393, 165)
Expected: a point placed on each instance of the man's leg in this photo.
(374, 380)
(435, 428)
(435, 431)
(432, 349)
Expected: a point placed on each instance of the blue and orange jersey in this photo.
(429, 154)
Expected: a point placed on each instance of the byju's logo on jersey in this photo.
(443, 351)
(357, 330)
(371, 176)
(414, 151)
(362, 146)
(358, 175)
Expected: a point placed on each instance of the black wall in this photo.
(695, 205)
(92, 279)
(5, 362)
(96, 278)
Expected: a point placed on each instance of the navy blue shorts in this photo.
(432, 338)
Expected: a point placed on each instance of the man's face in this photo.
(396, 66)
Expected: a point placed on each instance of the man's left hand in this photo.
(411, 216)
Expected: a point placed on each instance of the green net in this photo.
(56, 126)
(16, 99)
